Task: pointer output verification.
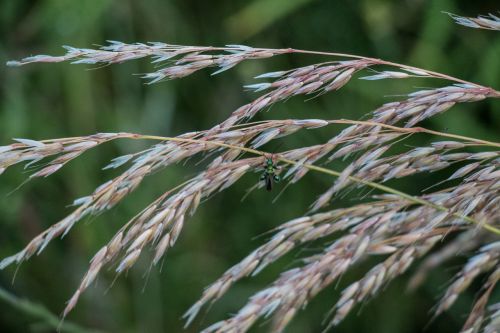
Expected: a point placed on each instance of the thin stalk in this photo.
(41, 313)
(396, 129)
(394, 64)
(383, 188)
(417, 130)
(339, 121)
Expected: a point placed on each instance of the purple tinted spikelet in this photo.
(395, 227)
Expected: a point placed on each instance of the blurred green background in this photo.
(60, 100)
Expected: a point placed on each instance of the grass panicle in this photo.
(396, 227)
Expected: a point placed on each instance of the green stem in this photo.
(383, 188)
(417, 130)
(409, 130)
(41, 313)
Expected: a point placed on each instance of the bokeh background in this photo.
(60, 100)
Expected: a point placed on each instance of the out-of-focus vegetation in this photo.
(61, 100)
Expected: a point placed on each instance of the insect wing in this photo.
(269, 182)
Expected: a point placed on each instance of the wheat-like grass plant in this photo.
(395, 226)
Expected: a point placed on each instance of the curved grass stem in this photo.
(417, 130)
(378, 186)
(409, 130)
(494, 93)
(42, 314)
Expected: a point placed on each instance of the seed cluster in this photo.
(396, 227)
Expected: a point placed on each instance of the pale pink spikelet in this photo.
(393, 228)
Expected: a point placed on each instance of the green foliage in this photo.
(61, 101)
